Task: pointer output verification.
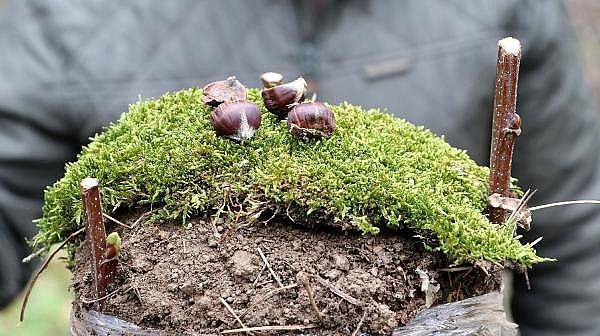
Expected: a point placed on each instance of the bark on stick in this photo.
(95, 232)
(506, 123)
(110, 261)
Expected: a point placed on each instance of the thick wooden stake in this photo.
(95, 232)
(506, 123)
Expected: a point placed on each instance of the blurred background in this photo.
(585, 16)
(49, 304)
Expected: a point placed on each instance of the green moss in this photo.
(376, 170)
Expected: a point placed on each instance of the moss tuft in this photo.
(375, 170)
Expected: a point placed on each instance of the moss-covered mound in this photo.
(374, 171)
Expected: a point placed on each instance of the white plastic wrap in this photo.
(481, 315)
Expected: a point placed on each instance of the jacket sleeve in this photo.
(557, 154)
(36, 136)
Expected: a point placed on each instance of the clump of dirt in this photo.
(178, 279)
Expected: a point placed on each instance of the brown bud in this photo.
(236, 120)
(271, 79)
(282, 98)
(311, 120)
(229, 90)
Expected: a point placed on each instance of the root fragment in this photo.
(270, 328)
(303, 279)
(232, 312)
(262, 256)
(42, 268)
(337, 291)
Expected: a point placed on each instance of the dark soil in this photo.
(173, 278)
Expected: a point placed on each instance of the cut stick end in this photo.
(510, 45)
(271, 79)
(89, 183)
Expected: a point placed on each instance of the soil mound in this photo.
(180, 279)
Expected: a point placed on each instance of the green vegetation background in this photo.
(48, 309)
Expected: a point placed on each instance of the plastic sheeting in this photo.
(481, 315)
(95, 323)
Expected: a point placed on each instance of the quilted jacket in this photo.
(68, 68)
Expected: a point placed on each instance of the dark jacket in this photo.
(69, 68)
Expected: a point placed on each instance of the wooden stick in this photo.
(337, 291)
(506, 123)
(550, 205)
(32, 256)
(232, 312)
(303, 279)
(360, 323)
(95, 232)
(266, 296)
(116, 221)
(264, 259)
(84, 300)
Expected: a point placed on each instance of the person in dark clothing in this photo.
(68, 69)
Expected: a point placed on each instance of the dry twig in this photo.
(522, 215)
(86, 301)
(337, 291)
(116, 221)
(266, 296)
(526, 274)
(32, 256)
(270, 328)
(544, 206)
(262, 256)
(360, 323)
(302, 278)
(455, 269)
(232, 312)
(259, 275)
(142, 216)
(37, 273)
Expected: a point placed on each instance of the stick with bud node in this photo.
(110, 259)
(104, 250)
(506, 123)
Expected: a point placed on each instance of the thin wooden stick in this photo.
(506, 123)
(455, 269)
(266, 296)
(270, 328)
(232, 312)
(259, 275)
(32, 256)
(262, 256)
(84, 300)
(303, 278)
(116, 221)
(337, 291)
(42, 268)
(522, 205)
(550, 205)
(95, 231)
(360, 323)
(142, 216)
